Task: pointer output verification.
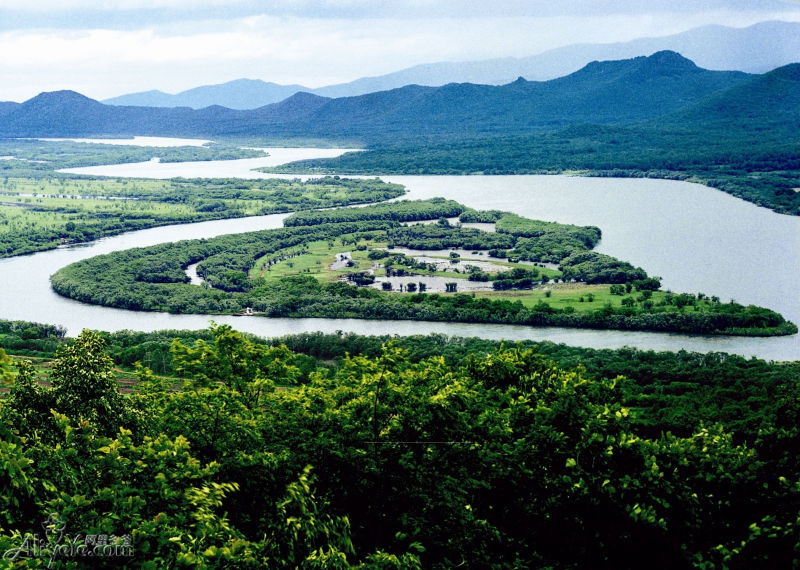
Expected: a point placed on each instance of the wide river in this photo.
(696, 238)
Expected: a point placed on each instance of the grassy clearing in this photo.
(316, 260)
(81, 186)
(585, 298)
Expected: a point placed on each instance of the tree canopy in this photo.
(504, 460)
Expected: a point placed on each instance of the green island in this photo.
(344, 451)
(373, 262)
(48, 211)
(42, 208)
(36, 158)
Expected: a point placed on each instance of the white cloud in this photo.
(398, 8)
(49, 6)
(104, 62)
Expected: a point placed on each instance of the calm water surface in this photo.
(694, 237)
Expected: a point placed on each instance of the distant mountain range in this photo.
(755, 49)
(238, 94)
(663, 86)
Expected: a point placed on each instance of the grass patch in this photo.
(315, 260)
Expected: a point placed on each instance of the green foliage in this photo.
(524, 227)
(457, 452)
(83, 388)
(31, 339)
(593, 267)
(234, 361)
(402, 211)
(5, 368)
(83, 384)
(436, 236)
(480, 216)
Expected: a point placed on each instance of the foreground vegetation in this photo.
(232, 267)
(422, 452)
(43, 213)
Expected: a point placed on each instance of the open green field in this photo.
(583, 297)
(316, 259)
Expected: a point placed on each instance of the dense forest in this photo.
(339, 451)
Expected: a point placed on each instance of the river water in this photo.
(696, 238)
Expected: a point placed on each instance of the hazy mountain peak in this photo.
(617, 92)
(661, 62)
(300, 101)
(60, 103)
(237, 94)
(304, 96)
(671, 59)
(65, 96)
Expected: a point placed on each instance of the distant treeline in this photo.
(399, 211)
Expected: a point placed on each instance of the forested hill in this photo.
(741, 139)
(772, 98)
(611, 92)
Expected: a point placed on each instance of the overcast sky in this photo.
(104, 48)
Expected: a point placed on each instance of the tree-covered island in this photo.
(372, 263)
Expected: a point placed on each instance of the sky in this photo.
(107, 48)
